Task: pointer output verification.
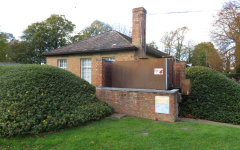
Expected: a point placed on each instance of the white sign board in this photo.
(162, 104)
(158, 71)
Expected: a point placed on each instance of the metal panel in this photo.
(140, 74)
(169, 74)
(186, 86)
(166, 72)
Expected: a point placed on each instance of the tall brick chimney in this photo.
(139, 35)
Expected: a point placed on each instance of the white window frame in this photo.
(109, 58)
(62, 63)
(86, 67)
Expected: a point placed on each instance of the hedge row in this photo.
(214, 96)
(36, 98)
(234, 75)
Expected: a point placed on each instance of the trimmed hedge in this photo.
(234, 75)
(35, 98)
(214, 96)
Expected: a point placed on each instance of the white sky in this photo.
(16, 15)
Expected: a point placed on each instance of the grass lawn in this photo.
(129, 134)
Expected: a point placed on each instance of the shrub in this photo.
(214, 96)
(35, 98)
(234, 75)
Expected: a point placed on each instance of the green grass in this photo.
(125, 134)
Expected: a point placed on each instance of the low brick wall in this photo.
(139, 102)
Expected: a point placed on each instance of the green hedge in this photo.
(35, 98)
(214, 96)
(234, 75)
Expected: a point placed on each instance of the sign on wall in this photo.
(158, 71)
(162, 104)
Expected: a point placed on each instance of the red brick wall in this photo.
(138, 104)
(104, 74)
(74, 61)
(107, 73)
(180, 72)
(99, 72)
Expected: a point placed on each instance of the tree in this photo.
(95, 28)
(180, 36)
(17, 52)
(152, 44)
(226, 33)
(173, 42)
(168, 41)
(189, 51)
(4, 38)
(204, 54)
(50, 34)
(122, 29)
(215, 61)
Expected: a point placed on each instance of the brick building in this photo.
(80, 57)
(91, 60)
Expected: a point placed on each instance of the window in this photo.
(109, 58)
(62, 64)
(86, 69)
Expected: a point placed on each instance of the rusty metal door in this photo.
(142, 74)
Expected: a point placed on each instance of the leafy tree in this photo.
(4, 38)
(95, 28)
(204, 54)
(179, 46)
(50, 34)
(3, 47)
(168, 41)
(173, 42)
(226, 33)
(17, 52)
(215, 61)
(152, 44)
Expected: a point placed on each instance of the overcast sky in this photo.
(16, 15)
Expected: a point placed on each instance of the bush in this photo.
(214, 96)
(35, 98)
(234, 75)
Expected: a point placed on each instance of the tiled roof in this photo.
(150, 50)
(107, 41)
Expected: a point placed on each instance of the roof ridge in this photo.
(123, 38)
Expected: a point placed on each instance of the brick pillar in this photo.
(99, 71)
(180, 73)
(107, 73)
(104, 73)
(139, 35)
